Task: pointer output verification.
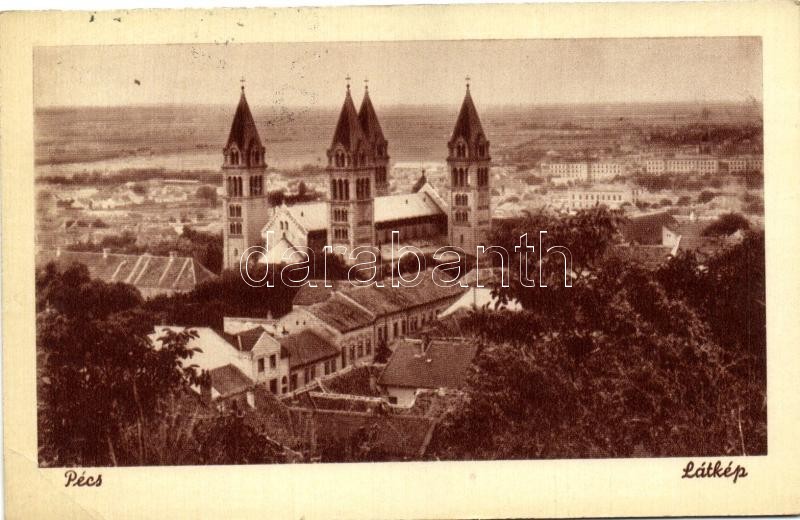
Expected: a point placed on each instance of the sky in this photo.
(411, 73)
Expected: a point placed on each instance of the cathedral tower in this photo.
(468, 160)
(245, 205)
(351, 172)
(378, 146)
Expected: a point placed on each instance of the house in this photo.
(152, 275)
(310, 356)
(230, 369)
(228, 385)
(647, 229)
(237, 362)
(421, 364)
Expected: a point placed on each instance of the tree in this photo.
(727, 224)
(624, 363)
(99, 372)
(706, 196)
(207, 193)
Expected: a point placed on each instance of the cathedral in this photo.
(359, 211)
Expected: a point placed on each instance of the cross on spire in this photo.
(348, 82)
(242, 82)
(467, 80)
(366, 84)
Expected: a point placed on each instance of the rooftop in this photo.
(443, 364)
(168, 273)
(229, 380)
(341, 314)
(307, 347)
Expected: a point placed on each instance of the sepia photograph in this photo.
(392, 251)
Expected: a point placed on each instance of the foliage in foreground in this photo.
(107, 396)
(627, 362)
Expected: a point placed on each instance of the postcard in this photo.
(401, 262)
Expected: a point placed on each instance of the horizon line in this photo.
(737, 101)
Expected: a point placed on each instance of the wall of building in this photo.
(401, 396)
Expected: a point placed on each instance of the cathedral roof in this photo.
(243, 128)
(402, 206)
(369, 120)
(348, 130)
(468, 125)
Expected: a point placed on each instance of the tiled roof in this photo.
(388, 300)
(646, 229)
(650, 257)
(341, 314)
(181, 274)
(390, 208)
(229, 380)
(312, 216)
(348, 131)
(468, 124)
(444, 364)
(310, 295)
(243, 129)
(690, 233)
(307, 347)
(246, 340)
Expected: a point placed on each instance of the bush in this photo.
(706, 196)
(727, 224)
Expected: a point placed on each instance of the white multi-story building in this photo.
(743, 163)
(612, 196)
(605, 170)
(574, 171)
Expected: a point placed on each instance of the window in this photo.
(235, 211)
(273, 362)
(360, 350)
(273, 386)
(283, 385)
(261, 365)
(236, 228)
(369, 347)
(395, 330)
(293, 384)
(353, 355)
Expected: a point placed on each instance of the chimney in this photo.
(105, 252)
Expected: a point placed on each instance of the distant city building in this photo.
(612, 196)
(584, 171)
(701, 164)
(575, 171)
(605, 170)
